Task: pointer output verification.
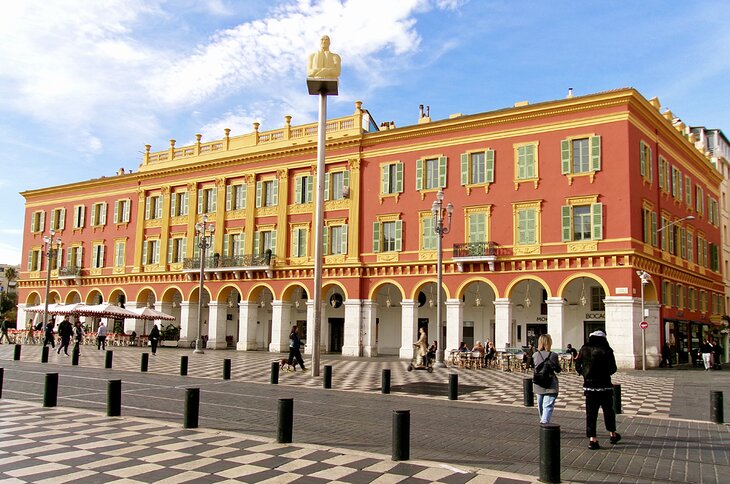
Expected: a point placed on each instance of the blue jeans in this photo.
(545, 404)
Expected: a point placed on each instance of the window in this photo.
(692, 296)
(428, 235)
(207, 198)
(679, 296)
(477, 227)
(121, 211)
(74, 257)
(119, 248)
(431, 173)
(97, 256)
(35, 256)
(597, 299)
(526, 226)
(582, 222)
(581, 155)
(699, 200)
(477, 168)
(196, 245)
(713, 215)
(676, 183)
(267, 193)
(151, 252)
(236, 197)
(335, 183)
(646, 162)
(299, 242)
(303, 189)
(98, 214)
(391, 178)
(664, 174)
(649, 219)
(690, 248)
(388, 236)
(666, 293)
(688, 191)
(153, 207)
(179, 203)
(233, 244)
(79, 212)
(264, 240)
(176, 250)
(58, 219)
(37, 221)
(57, 261)
(335, 240)
(714, 258)
(526, 162)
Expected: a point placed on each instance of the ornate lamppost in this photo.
(50, 251)
(440, 215)
(645, 278)
(203, 230)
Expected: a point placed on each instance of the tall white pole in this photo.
(643, 330)
(319, 233)
(439, 284)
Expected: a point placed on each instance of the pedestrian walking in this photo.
(78, 337)
(49, 337)
(294, 345)
(4, 331)
(154, 337)
(546, 394)
(597, 363)
(65, 331)
(101, 336)
(706, 351)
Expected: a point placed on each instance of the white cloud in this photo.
(10, 253)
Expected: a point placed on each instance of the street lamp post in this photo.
(439, 213)
(50, 251)
(202, 229)
(645, 278)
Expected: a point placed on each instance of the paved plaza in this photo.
(342, 436)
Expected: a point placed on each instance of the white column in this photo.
(310, 326)
(556, 320)
(217, 325)
(502, 321)
(281, 325)
(351, 342)
(653, 335)
(623, 315)
(454, 325)
(20, 320)
(188, 323)
(409, 323)
(369, 330)
(247, 326)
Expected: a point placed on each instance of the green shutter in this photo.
(214, 197)
(464, 169)
(158, 207)
(595, 142)
(346, 179)
(489, 168)
(298, 182)
(310, 188)
(173, 204)
(654, 228)
(473, 228)
(650, 166)
(256, 243)
(398, 235)
(259, 185)
(343, 240)
(295, 243)
(325, 240)
(326, 186)
(376, 236)
(565, 156)
(200, 200)
(567, 229)
(399, 177)
(30, 260)
(275, 195)
(419, 174)
(42, 223)
(229, 194)
(442, 171)
(384, 179)
(273, 242)
(169, 250)
(147, 203)
(144, 252)
(643, 159)
(661, 173)
(62, 221)
(597, 221)
(227, 245)
(94, 209)
(156, 256)
(428, 234)
(116, 212)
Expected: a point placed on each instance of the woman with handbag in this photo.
(546, 362)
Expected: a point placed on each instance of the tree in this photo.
(11, 274)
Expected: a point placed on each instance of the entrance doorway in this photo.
(591, 326)
(533, 333)
(337, 334)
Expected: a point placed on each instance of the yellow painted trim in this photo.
(578, 275)
(531, 278)
(373, 293)
(461, 288)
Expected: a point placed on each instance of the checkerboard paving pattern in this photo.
(59, 445)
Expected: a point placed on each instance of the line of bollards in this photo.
(114, 398)
(191, 409)
(453, 386)
(144, 364)
(2, 376)
(274, 373)
(401, 445)
(183, 365)
(50, 390)
(716, 407)
(286, 421)
(385, 381)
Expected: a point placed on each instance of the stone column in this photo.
(556, 320)
(623, 315)
(310, 328)
(246, 326)
(188, 324)
(502, 321)
(217, 325)
(351, 343)
(369, 328)
(653, 335)
(454, 325)
(281, 325)
(409, 323)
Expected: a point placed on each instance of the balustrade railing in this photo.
(480, 249)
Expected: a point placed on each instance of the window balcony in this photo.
(69, 274)
(478, 252)
(245, 265)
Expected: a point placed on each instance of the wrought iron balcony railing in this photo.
(69, 271)
(478, 252)
(248, 263)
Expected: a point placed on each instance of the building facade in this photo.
(557, 206)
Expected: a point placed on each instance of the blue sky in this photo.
(85, 84)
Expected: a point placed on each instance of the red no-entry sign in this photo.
(644, 325)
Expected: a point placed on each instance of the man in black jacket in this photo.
(597, 363)
(65, 331)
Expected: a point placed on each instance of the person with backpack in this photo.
(545, 380)
(597, 363)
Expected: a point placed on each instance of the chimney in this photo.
(570, 93)
(120, 171)
(420, 111)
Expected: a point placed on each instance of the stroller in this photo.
(416, 365)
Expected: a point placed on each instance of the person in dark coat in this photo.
(154, 337)
(294, 352)
(49, 335)
(65, 331)
(597, 363)
(78, 337)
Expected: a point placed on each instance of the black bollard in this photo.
(108, 359)
(549, 453)
(145, 362)
(716, 407)
(528, 396)
(16, 354)
(75, 356)
(401, 435)
(274, 373)
(453, 386)
(286, 420)
(44, 354)
(183, 365)
(192, 407)
(50, 392)
(617, 399)
(114, 398)
(327, 376)
(227, 369)
(385, 381)
(2, 375)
